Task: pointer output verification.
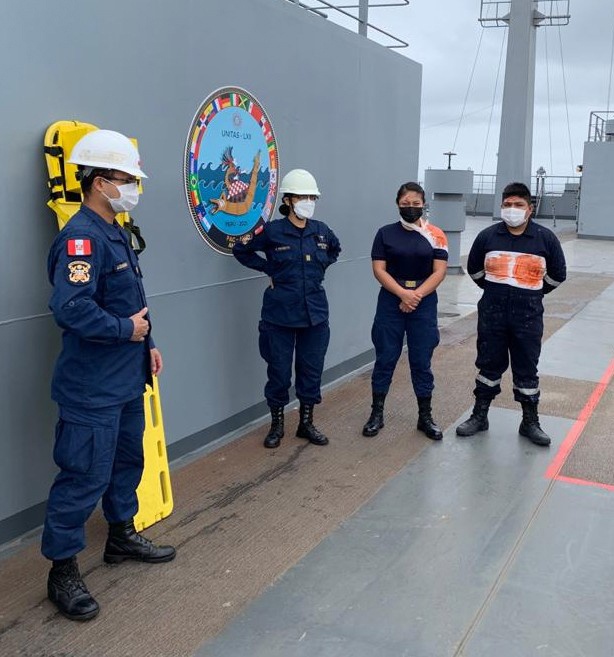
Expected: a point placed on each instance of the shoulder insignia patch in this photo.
(79, 247)
(79, 271)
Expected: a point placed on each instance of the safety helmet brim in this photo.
(106, 149)
(299, 182)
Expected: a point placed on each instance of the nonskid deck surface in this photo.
(467, 548)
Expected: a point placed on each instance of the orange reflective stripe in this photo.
(524, 270)
(498, 266)
(529, 271)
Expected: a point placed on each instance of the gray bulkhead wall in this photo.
(595, 215)
(341, 106)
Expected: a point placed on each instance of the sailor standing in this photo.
(107, 357)
(409, 259)
(515, 262)
(294, 320)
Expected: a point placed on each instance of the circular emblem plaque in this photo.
(231, 165)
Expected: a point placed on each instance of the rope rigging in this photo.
(565, 97)
(493, 104)
(475, 61)
(454, 120)
(566, 103)
(549, 53)
(548, 93)
(611, 68)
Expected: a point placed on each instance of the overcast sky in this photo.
(444, 36)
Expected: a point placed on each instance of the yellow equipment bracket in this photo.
(154, 492)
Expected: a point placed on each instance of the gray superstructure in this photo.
(522, 17)
(395, 546)
(342, 106)
(595, 212)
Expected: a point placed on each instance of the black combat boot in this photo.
(529, 427)
(478, 421)
(306, 429)
(376, 419)
(124, 542)
(276, 432)
(426, 424)
(67, 590)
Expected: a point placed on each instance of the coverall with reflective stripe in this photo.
(515, 271)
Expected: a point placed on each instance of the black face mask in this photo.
(411, 214)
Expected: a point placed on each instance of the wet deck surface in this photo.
(395, 545)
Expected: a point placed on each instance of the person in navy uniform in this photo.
(107, 357)
(409, 259)
(294, 320)
(515, 262)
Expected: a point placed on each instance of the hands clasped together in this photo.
(409, 300)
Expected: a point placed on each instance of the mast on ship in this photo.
(522, 17)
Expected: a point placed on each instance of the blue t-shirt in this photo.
(409, 253)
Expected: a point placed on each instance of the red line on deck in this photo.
(576, 431)
(584, 482)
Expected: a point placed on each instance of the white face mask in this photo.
(513, 217)
(304, 208)
(128, 197)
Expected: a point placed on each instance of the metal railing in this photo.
(554, 197)
(540, 185)
(495, 13)
(601, 126)
(362, 19)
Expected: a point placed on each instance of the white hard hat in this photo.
(106, 149)
(299, 182)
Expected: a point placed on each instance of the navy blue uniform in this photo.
(98, 382)
(409, 256)
(295, 308)
(515, 271)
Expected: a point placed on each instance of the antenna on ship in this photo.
(522, 17)
(449, 155)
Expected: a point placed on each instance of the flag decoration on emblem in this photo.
(79, 247)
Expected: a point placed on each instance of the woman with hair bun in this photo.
(294, 322)
(409, 259)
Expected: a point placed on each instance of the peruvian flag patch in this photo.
(79, 247)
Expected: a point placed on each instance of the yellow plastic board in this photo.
(154, 491)
(64, 188)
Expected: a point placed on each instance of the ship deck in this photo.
(392, 546)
